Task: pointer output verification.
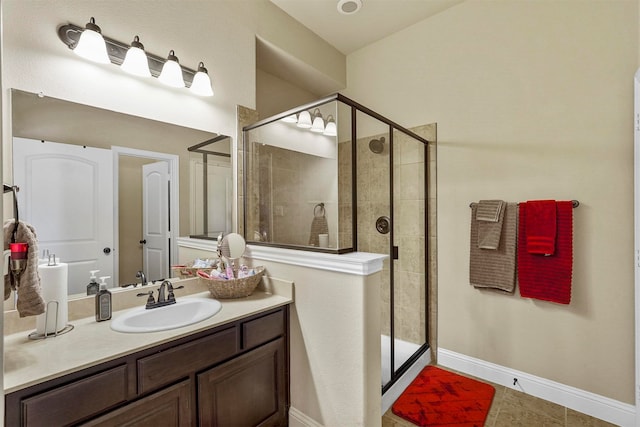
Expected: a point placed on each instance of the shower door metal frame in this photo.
(393, 250)
(355, 107)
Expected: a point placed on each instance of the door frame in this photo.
(636, 219)
(173, 160)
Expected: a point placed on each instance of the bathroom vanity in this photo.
(232, 369)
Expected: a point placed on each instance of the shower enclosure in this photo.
(334, 176)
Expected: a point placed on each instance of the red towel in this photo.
(541, 227)
(547, 277)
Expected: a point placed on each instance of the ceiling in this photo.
(376, 19)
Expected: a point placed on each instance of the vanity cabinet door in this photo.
(170, 407)
(72, 402)
(249, 390)
(181, 361)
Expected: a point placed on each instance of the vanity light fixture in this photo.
(304, 120)
(318, 122)
(290, 119)
(135, 62)
(91, 45)
(201, 82)
(330, 129)
(116, 52)
(171, 74)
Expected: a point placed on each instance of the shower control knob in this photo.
(383, 225)
(106, 251)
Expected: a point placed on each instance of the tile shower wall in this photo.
(246, 116)
(296, 183)
(373, 201)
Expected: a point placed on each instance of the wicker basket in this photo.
(185, 272)
(234, 288)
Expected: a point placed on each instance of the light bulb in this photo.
(201, 84)
(171, 74)
(331, 129)
(91, 45)
(135, 62)
(304, 120)
(290, 119)
(318, 123)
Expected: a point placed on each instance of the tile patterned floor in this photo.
(513, 408)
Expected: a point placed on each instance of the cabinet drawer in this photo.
(170, 406)
(262, 329)
(77, 400)
(179, 362)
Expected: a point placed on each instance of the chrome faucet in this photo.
(161, 290)
(140, 275)
(165, 287)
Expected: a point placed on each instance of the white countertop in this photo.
(28, 362)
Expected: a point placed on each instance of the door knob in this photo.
(143, 242)
(106, 251)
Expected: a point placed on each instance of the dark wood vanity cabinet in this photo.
(245, 391)
(232, 375)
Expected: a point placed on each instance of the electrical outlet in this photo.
(279, 211)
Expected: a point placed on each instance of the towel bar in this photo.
(574, 203)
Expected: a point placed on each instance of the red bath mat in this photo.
(438, 397)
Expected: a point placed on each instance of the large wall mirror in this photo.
(109, 191)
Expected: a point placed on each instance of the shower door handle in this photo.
(383, 225)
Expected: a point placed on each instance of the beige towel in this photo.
(27, 284)
(495, 268)
(319, 226)
(489, 214)
(489, 210)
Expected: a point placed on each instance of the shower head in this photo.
(377, 145)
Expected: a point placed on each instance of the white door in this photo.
(66, 193)
(155, 220)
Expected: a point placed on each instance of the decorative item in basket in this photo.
(222, 287)
(190, 270)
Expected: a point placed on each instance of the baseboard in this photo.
(394, 392)
(298, 419)
(604, 408)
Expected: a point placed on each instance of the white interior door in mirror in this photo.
(66, 193)
(155, 212)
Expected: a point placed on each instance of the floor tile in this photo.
(511, 408)
(578, 419)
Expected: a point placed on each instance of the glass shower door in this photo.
(409, 273)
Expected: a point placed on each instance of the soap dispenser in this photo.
(103, 301)
(93, 287)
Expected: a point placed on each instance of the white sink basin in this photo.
(185, 311)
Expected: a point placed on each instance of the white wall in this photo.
(533, 100)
